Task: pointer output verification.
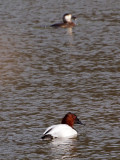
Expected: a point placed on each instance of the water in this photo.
(45, 73)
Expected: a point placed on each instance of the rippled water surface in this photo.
(45, 73)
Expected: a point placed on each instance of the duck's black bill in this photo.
(77, 121)
(73, 17)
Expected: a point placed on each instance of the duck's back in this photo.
(60, 131)
(63, 25)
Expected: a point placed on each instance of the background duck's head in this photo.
(67, 18)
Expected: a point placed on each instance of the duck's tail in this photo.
(47, 137)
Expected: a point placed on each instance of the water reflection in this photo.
(69, 31)
(65, 148)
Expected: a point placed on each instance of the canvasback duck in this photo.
(63, 130)
(67, 21)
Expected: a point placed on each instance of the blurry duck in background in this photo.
(67, 21)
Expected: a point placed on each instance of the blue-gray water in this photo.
(45, 73)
